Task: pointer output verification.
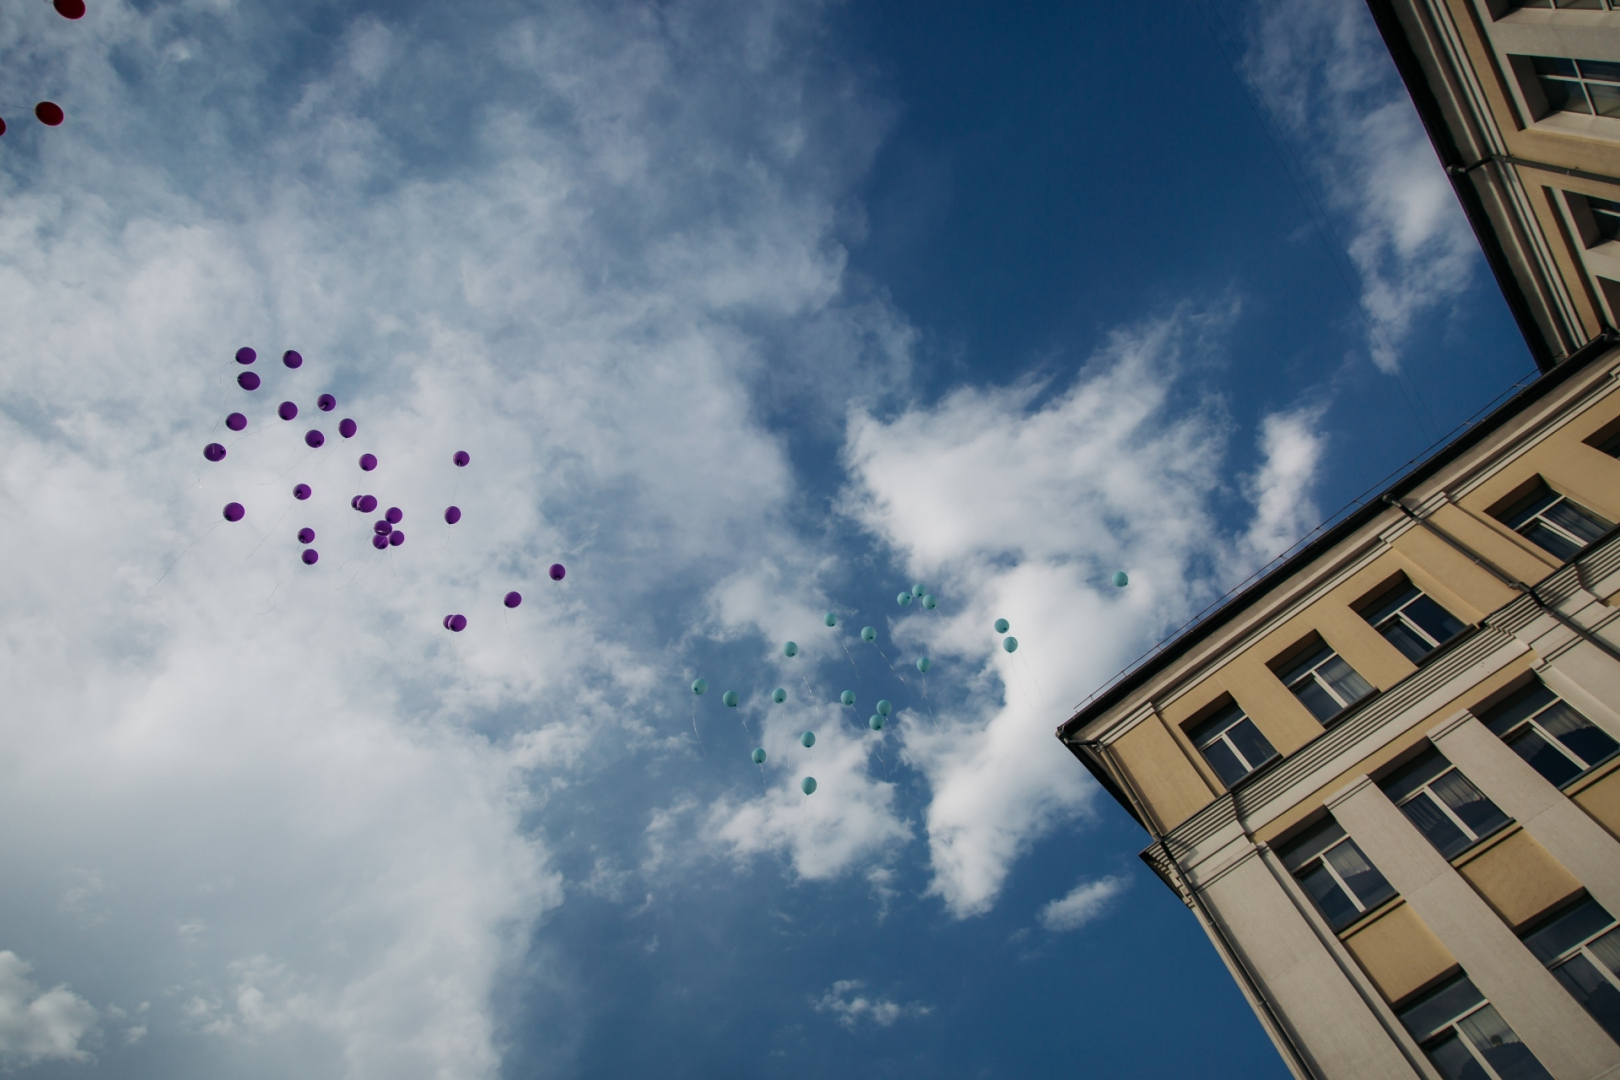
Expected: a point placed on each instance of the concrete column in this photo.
(1584, 847)
(1568, 1042)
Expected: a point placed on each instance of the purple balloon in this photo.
(513, 599)
(293, 358)
(214, 452)
(461, 458)
(314, 438)
(347, 428)
(302, 491)
(396, 538)
(354, 503)
(368, 503)
(382, 528)
(394, 515)
(234, 512)
(368, 462)
(311, 556)
(458, 623)
(557, 571)
(245, 355)
(306, 535)
(287, 411)
(379, 542)
(236, 421)
(326, 403)
(452, 514)
(248, 380)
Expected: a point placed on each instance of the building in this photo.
(1521, 99)
(1386, 777)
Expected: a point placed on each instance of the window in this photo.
(1324, 682)
(1558, 742)
(1410, 621)
(1579, 86)
(1344, 884)
(1454, 814)
(1581, 947)
(1466, 1037)
(1554, 522)
(1606, 216)
(1566, 5)
(1231, 744)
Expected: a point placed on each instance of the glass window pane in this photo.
(1546, 760)
(1251, 744)
(1404, 638)
(1568, 930)
(1601, 70)
(1607, 950)
(1577, 520)
(1414, 774)
(1433, 823)
(1439, 1007)
(1469, 803)
(1590, 743)
(1361, 876)
(1553, 65)
(1491, 1036)
(1562, 547)
(1310, 843)
(1454, 1061)
(1605, 98)
(1305, 662)
(1435, 620)
(1595, 993)
(1344, 680)
(1533, 503)
(1565, 96)
(1316, 698)
(1390, 602)
(1504, 717)
(1225, 763)
(1329, 897)
(1209, 730)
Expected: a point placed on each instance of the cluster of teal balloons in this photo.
(918, 593)
(1009, 643)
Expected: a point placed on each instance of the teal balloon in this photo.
(923, 664)
(929, 602)
(868, 633)
(903, 599)
(1002, 625)
(700, 686)
(807, 740)
(884, 707)
(779, 695)
(847, 697)
(1010, 644)
(759, 756)
(730, 698)
(790, 649)
(831, 619)
(918, 591)
(808, 785)
(875, 723)
(1121, 579)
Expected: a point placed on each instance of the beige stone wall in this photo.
(1517, 877)
(1601, 799)
(1398, 952)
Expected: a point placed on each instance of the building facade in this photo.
(1521, 99)
(1386, 777)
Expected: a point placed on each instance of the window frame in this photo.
(1309, 850)
(1304, 665)
(1439, 1034)
(1526, 511)
(1426, 789)
(1389, 604)
(1523, 725)
(1229, 710)
(1582, 948)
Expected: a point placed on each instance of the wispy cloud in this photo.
(1323, 72)
(854, 1009)
(40, 1025)
(1087, 901)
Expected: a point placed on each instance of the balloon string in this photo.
(182, 555)
(289, 469)
(267, 535)
(892, 668)
(279, 584)
(851, 658)
(695, 729)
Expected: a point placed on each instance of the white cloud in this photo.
(1084, 903)
(39, 1025)
(1280, 489)
(853, 1008)
(1323, 72)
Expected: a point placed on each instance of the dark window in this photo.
(1581, 947)
(1340, 878)
(1566, 5)
(1453, 813)
(1558, 742)
(1466, 1038)
(1231, 744)
(1411, 621)
(1606, 215)
(1580, 86)
(1324, 682)
(1554, 522)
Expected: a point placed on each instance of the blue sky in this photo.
(745, 312)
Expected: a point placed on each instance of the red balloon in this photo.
(70, 9)
(50, 113)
